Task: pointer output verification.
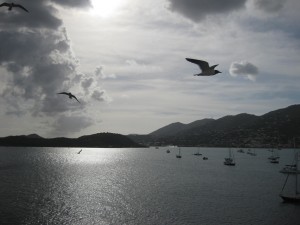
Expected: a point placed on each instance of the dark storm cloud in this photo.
(245, 69)
(54, 104)
(269, 6)
(41, 15)
(197, 10)
(37, 60)
(36, 53)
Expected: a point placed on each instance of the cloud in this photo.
(85, 84)
(38, 60)
(74, 3)
(65, 125)
(92, 82)
(140, 68)
(41, 15)
(269, 6)
(100, 73)
(101, 96)
(198, 10)
(40, 64)
(243, 68)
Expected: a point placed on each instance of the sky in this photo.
(125, 62)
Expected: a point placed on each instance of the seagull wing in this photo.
(202, 64)
(73, 96)
(22, 7)
(214, 66)
(64, 93)
(4, 4)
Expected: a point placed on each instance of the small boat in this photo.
(179, 154)
(205, 158)
(168, 151)
(275, 161)
(253, 153)
(79, 151)
(274, 158)
(230, 160)
(250, 152)
(291, 197)
(197, 153)
(289, 169)
(240, 151)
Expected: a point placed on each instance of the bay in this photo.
(141, 186)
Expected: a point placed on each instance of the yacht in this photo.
(291, 197)
(230, 160)
(179, 153)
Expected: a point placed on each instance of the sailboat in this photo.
(179, 153)
(296, 196)
(253, 153)
(290, 169)
(198, 153)
(230, 160)
(250, 152)
(240, 150)
(274, 158)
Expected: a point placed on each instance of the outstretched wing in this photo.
(64, 93)
(4, 4)
(202, 64)
(22, 7)
(73, 96)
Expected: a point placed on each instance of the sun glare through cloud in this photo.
(105, 8)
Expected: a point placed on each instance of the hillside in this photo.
(94, 140)
(176, 128)
(275, 128)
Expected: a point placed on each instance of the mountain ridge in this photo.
(95, 140)
(277, 127)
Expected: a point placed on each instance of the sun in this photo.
(105, 8)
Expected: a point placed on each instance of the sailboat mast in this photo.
(296, 182)
(287, 177)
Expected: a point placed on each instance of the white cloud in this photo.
(100, 72)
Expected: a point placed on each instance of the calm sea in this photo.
(141, 186)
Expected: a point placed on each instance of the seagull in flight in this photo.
(11, 5)
(70, 95)
(206, 70)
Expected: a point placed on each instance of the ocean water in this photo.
(142, 186)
